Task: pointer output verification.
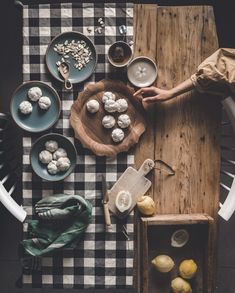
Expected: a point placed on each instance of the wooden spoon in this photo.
(64, 71)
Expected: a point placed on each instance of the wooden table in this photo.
(183, 132)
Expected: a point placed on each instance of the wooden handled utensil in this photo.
(105, 201)
(64, 71)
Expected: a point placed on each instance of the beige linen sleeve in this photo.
(216, 74)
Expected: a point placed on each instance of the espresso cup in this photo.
(119, 54)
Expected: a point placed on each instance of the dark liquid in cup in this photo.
(120, 53)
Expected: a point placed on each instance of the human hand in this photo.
(153, 95)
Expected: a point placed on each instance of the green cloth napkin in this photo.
(62, 220)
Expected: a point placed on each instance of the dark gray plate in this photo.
(41, 169)
(52, 57)
(39, 120)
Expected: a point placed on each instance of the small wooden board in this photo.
(88, 127)
(133, 181)
(157, 233)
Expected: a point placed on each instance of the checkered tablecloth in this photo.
(101, 260)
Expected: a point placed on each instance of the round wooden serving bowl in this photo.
(88, 127)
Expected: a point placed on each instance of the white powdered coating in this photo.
(124, 121)
(122, 105)
(117, 135)
(108, 121)
(34, 93)
(44, 103)
(63, 164)
(52, 167)
(60, 153)
(45, 157)
(110, 106)
(25, 107)
(108, 96)
(51, 146)
(93, 106)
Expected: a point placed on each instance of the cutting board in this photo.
(133, 181)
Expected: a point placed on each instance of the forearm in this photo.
(182, 88)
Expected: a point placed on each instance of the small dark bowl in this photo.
(41, 169)
(127, 52)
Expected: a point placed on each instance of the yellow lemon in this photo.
(188, 269)
(163, 263)
(146, 205)
(179, 285)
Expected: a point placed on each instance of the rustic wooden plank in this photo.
(177, 219)
(145, 43)
(188, 127)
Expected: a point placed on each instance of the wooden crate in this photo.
(156, 239)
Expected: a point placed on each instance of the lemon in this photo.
(179, 285)
(188, 269)
(163, 263)
(146, 205)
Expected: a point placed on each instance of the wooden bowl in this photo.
(88, 127)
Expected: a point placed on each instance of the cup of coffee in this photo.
(119, 54)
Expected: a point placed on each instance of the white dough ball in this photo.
(122, 105)
(93, 106)
(110, 106)
(108, 121)
(63, 164)
(34, 93)
(51, 146)
(44, 103)
(117, 135)
(45, 157)
(52, 167)
(124, 121)
(60, 153)
(25, 107)
(108, 96)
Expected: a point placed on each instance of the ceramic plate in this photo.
(142, 71)
(52, 57)
(41, 169)
(39, 120)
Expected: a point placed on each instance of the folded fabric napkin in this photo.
(62, 220)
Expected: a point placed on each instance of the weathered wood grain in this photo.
(145, 43)
(188, 127)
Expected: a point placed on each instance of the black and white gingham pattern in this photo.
(102, 260)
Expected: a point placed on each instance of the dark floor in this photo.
(10, 77)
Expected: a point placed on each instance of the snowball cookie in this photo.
(63, 164)
(44, 103)
(25, 107)
(45, 157)
(110, 106)
(92, 106)
(51, 146)
(108, 121)
(122, 105)
(108, 96)
(117, 135)
(34, 93)
(124, 121)
(60, 153)
(52, 168)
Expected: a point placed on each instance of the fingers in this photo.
(146, 90)
(151, 99)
